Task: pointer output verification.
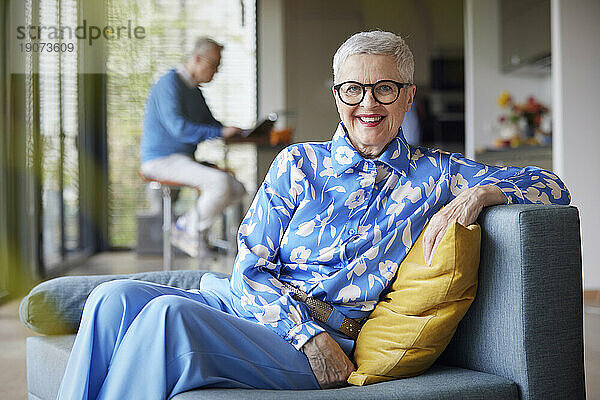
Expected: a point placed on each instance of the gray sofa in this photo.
(521, 338)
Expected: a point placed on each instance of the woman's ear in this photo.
(335, 97)
(410, 91)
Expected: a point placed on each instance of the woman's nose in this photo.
(368, 100)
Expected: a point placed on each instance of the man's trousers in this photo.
(219, 189)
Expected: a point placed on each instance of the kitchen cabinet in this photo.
(525, 36)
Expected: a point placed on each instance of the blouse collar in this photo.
(344, 155)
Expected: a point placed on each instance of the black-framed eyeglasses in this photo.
(384, 92)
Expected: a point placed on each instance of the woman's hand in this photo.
(329, 363)
(464, 209)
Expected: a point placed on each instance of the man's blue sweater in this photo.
(176, 120)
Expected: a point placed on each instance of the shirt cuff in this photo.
(216, 132)
(300, 334)
(511, 191)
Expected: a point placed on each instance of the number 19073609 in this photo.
(41, 47)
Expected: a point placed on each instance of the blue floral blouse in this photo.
(337, 225)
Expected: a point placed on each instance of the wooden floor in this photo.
(13, 382)
(591, 323)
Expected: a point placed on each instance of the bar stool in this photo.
(165, 187)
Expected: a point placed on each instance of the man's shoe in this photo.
(184, 241)
(195, 246)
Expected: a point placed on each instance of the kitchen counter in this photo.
(539, 156)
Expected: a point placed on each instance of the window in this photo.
(58, 108)
(4, 246)
(49, 101)
(171, 28)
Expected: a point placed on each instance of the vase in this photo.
(508, 131)
(529, 131)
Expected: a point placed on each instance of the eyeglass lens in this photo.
(384, 92)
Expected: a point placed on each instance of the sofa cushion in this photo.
(47, 359)
(54, 307)
(439, 382)
(414, 322)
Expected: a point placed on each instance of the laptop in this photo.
(262, 128)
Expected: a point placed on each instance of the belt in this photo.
(321, 311)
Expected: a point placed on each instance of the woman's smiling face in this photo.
(371, 125)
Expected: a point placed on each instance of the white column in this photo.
(271, 87)
(576, 133)
(271, 56)
(469, 79)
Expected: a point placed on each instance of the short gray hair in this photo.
(204, 43)
(379, 43)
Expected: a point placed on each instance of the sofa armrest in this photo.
(526, 322)
(55, 306)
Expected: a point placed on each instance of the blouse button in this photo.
(351, 231)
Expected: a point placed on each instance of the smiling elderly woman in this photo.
(320, 243)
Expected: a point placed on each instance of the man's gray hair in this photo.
(380, 43)
(204, 43)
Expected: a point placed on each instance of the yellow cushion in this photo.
(414, 323)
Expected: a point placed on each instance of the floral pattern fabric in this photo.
(337, 225)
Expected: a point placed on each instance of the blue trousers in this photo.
(140, 340)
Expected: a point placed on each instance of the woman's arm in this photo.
(528, 185)
(255, 282)
(473, 186)
(464, 209)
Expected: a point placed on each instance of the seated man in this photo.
(176, 120)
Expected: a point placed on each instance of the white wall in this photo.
(483, 77)
(576, 81)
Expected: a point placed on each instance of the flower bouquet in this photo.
(521, 121)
